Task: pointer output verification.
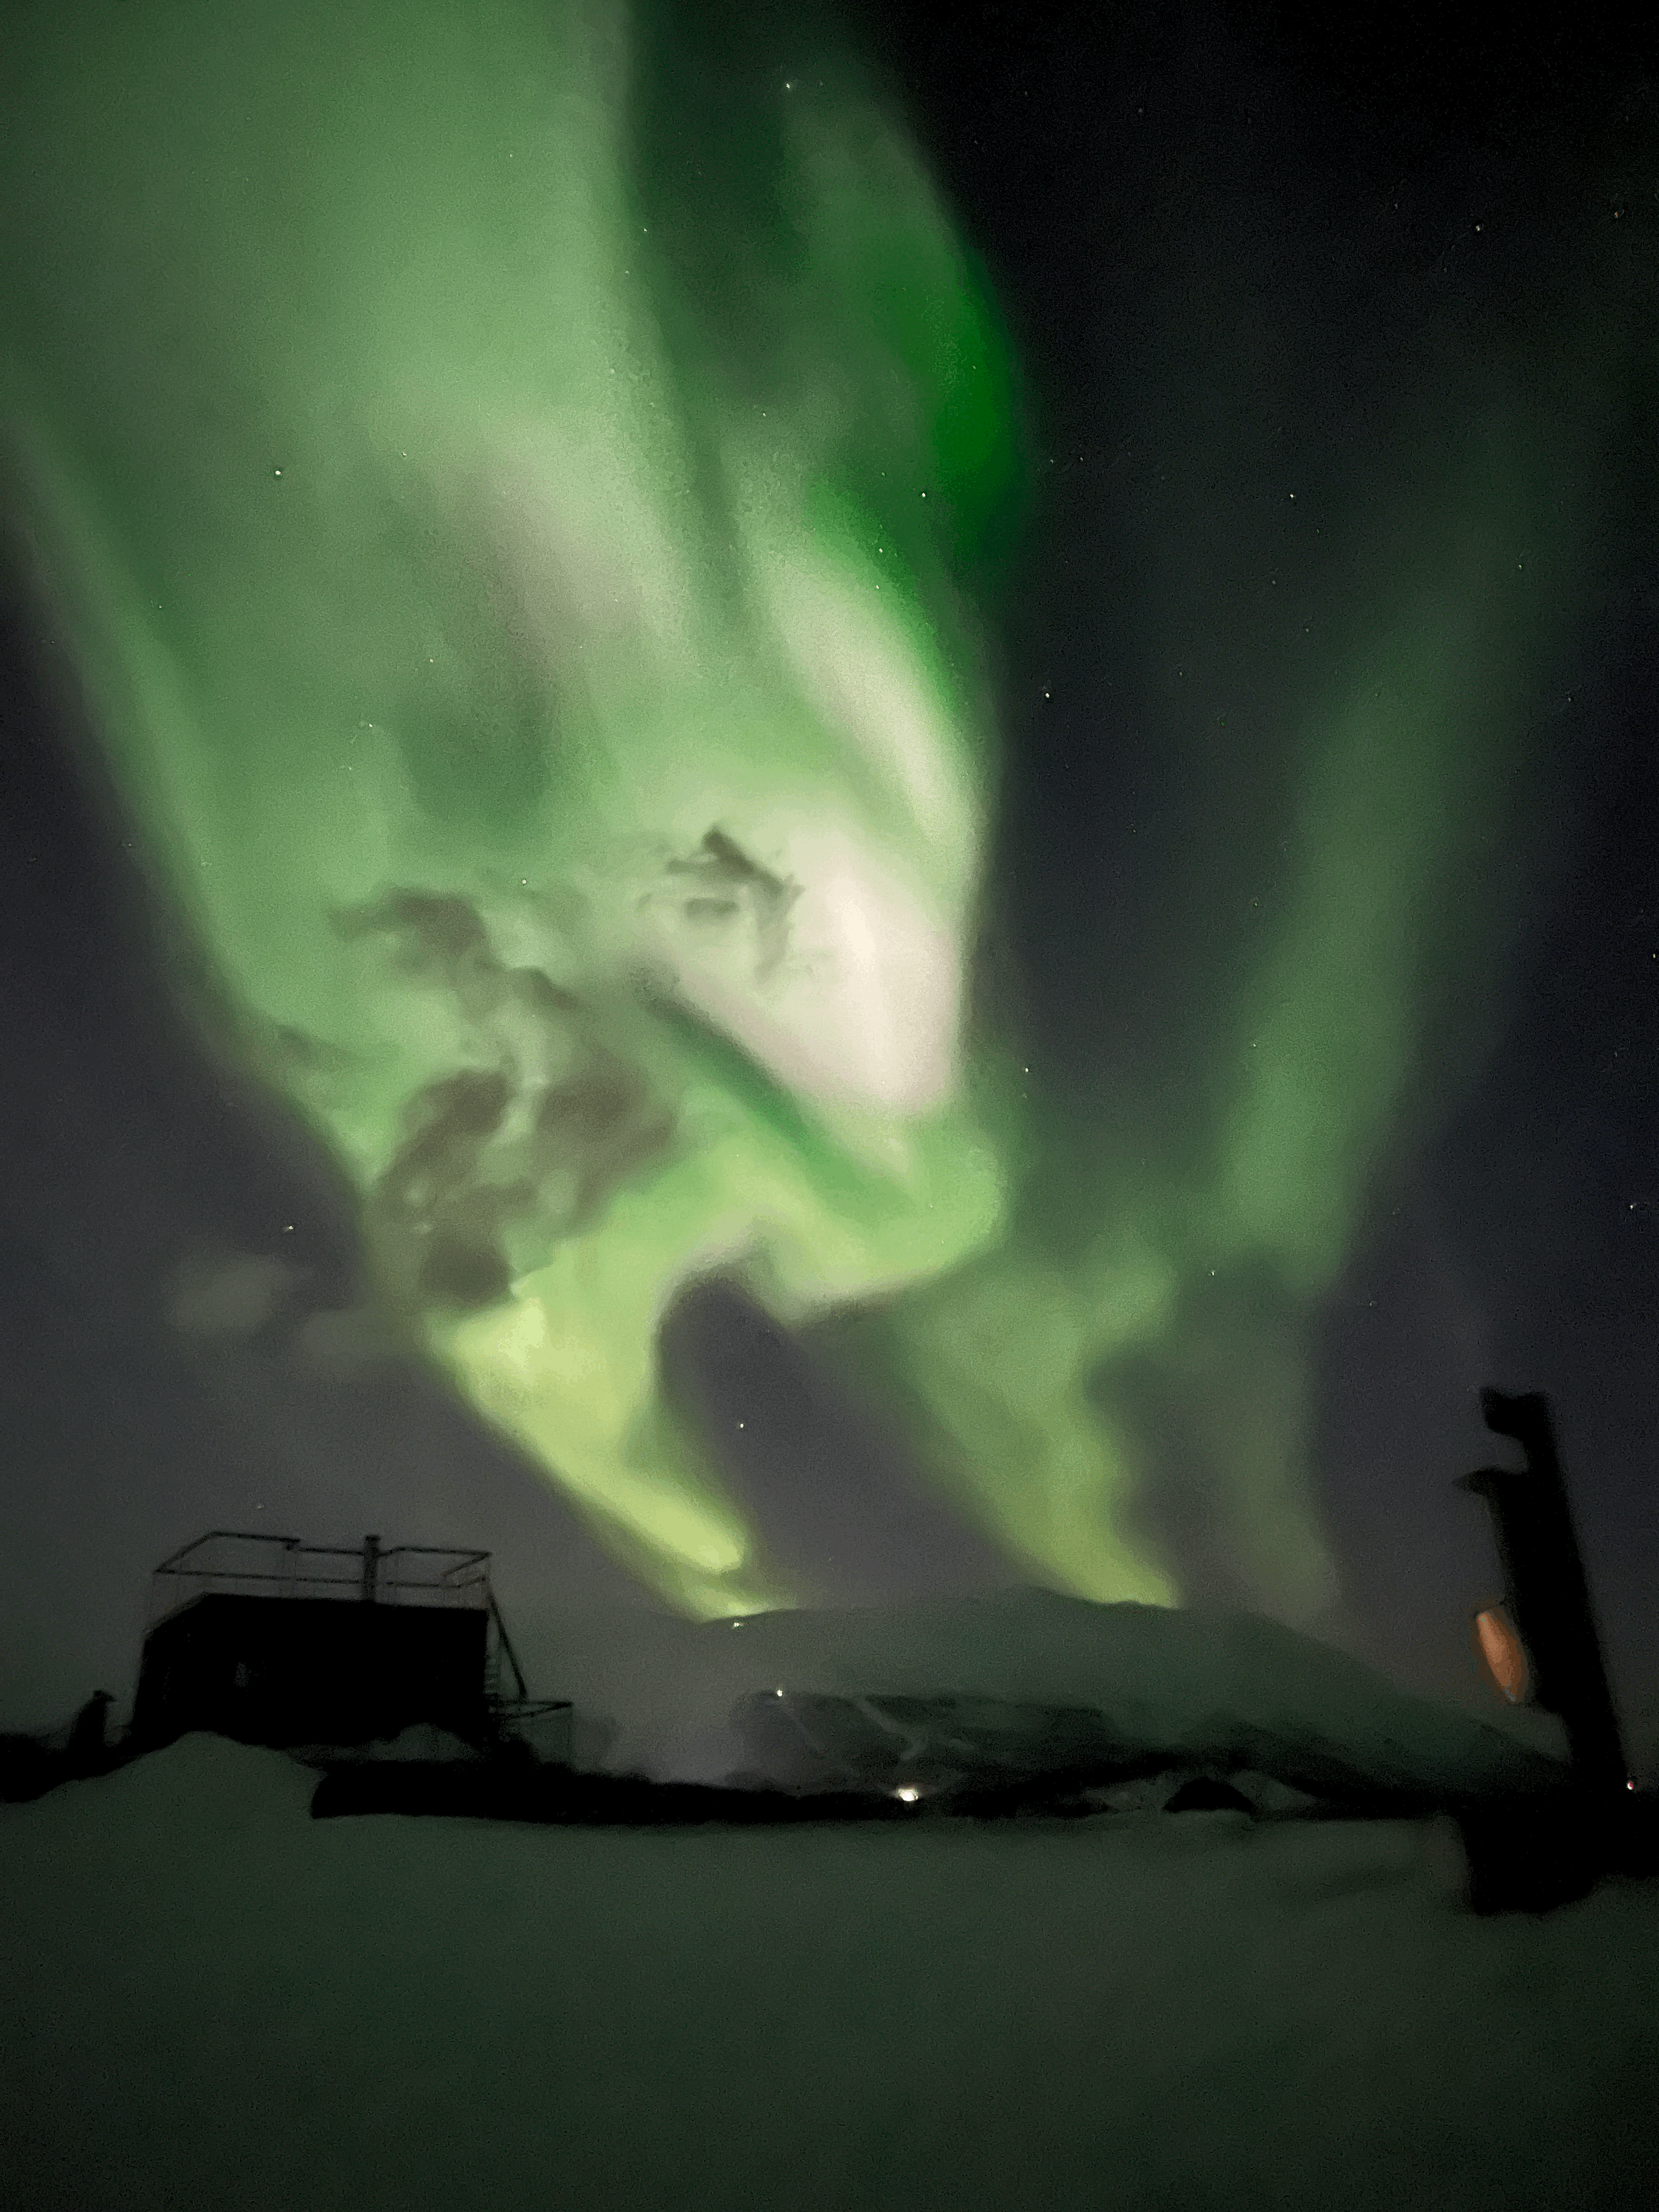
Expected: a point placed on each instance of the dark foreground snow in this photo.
(208, 1999)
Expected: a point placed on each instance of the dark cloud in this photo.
(598, 1128)
(497, 1162)
(720, 882)
(434, 1213)
(432, 938)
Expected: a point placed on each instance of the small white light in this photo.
(906, 1797)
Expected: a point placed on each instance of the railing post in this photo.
(371, 1567)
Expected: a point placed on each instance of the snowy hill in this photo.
(1202, 1688)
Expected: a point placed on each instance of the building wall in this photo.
(282, 1671)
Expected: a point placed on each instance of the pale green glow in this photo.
(527, 585)
(1397, 781)
(445, 590)
(1202, 1274)
(569, 1366)
(1002, 1357)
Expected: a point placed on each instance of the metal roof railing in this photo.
(249, 1562)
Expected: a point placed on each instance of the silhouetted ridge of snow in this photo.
(1203, 1688)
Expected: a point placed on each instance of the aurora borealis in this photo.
(538, 560)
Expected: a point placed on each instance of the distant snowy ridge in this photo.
(1207, 1689)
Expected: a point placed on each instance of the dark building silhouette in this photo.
(271, 1641)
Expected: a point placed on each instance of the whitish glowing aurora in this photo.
(519, 488)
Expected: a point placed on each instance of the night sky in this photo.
(1259, 277)
(1227, 239)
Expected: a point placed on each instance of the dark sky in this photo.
(1439, 182)
(1222, 240)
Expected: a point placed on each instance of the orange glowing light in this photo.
(1502, 1653)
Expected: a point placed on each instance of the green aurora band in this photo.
(525, 495)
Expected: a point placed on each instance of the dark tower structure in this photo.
(1545, 1592)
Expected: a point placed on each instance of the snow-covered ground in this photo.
(208, 1999)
